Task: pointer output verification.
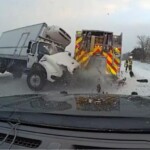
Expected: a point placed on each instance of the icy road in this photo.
(10, 86)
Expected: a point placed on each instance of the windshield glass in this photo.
(44, 48)
(103, 70)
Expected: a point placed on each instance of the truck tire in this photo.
(36, 80)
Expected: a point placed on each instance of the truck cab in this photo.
(36, 50)
(47, 61)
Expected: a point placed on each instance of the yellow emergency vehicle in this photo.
(102, 44)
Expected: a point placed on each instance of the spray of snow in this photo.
(87, 79)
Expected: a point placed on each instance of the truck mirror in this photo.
(28, 51)
(29, 45)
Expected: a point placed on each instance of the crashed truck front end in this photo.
(55, 65)
(51, 68)
(58, 62)
(53, 60)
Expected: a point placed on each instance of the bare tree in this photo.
(144, 44)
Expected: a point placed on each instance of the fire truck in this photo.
(102, 44)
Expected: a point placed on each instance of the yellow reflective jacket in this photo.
(129, 62)
(126, 63)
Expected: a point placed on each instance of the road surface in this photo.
(10, 86)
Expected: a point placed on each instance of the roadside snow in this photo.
(10, 86)
(141, 71)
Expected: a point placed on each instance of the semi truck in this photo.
(39, 51)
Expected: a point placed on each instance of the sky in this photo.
(130, 17)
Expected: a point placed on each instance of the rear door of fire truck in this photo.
(103, 44)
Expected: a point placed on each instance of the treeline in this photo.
(142, 51)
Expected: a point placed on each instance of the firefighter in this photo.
(130, 63)
(126, 65)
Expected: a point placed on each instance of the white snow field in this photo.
(141, 71)
(10, 86)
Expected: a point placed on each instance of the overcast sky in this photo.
(131, 17)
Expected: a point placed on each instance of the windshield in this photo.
(44, 48)
(49, 49)
(101, 74)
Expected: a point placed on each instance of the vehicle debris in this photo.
(142, 80)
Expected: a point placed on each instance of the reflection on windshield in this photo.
(140, 101)
(76, 105)
(98, 103)
(50, 105)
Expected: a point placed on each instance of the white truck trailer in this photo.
(38, 50)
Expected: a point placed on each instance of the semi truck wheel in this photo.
(36, 80)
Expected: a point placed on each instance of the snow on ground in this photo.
(10, 86)
(141, 71)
